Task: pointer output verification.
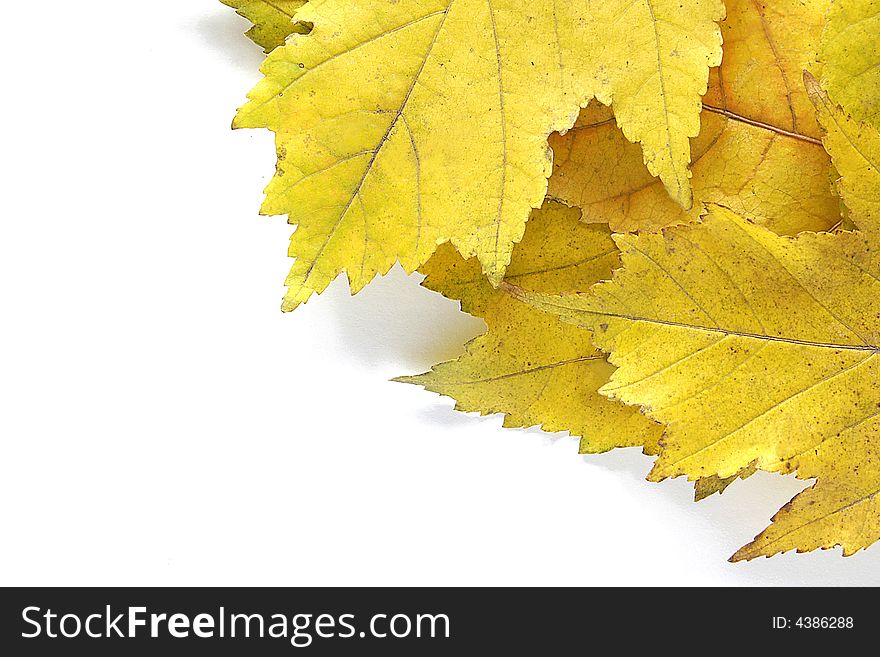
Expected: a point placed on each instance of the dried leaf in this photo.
(758, 152)
(529, 365)
(402, 124)
(752, 349)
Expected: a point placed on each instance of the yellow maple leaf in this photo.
(529, 365)
(752, 349)
(403, 124)
(758, 151)
(273, 20)
(850, 54)
(855, 150)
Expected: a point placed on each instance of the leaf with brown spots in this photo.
(754, 350)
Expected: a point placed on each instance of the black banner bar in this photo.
(419, 621)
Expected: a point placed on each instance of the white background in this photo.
(164, 423)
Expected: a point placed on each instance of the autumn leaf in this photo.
(850, 53)
(273, 20)
(752, 349)
(403, 124)
(855, 150)
(841, 508)
(416, 131)
(529, 365)
(758, 151)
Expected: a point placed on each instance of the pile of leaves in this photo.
(666, 211)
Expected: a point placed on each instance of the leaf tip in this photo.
(745, 553)
(412, 379)
(814, 89)
(655, 476)
(495, 276)
(239, 120)
(289, 305)
(686, 196)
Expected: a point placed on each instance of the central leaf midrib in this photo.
(527, 371)
(382, 141)
(742, 334)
